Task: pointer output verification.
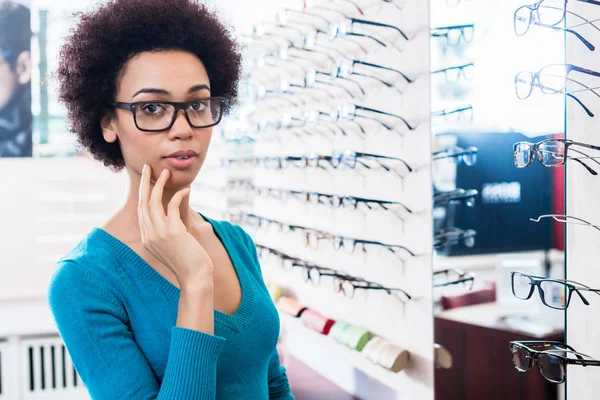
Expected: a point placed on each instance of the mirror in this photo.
(483, 203)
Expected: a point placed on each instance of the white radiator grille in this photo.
(38, 369)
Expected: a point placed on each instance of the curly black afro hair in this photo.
(104, 40)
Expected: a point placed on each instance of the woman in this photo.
(160, 302)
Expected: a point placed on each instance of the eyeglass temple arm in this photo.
(587, 44)
(556, 216)
(594, 159)
(583, 70)
(437, 71)
(368, 64)
(385, 113)
(373, 23)
(451, 27)
(590, 170)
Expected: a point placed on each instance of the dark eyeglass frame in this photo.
(533, 148)
(461, 71)
(538, 280)
(339, 29)
(460, 111)
(352, 108)
(442, 31)
(456, 195)
(451, 237)
(358, 283)
(346, 67)
(467, 278)
(468, 156)
(177, 106)
(533, 355)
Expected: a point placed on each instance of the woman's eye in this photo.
(152, 108)
(198, 105)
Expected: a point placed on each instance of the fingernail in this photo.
(144, 169)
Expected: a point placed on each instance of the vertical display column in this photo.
(337, 108)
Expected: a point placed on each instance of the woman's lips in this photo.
(180, 163)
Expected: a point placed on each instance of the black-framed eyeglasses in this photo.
(454, 34)
(158, 116)
(453, 276)
(455, 114)
(349, 111)
(347, 285)
(467, 156)
(350, 158)
(552, 153)
(345, 28)
(444, 239)
(347, 68)
(551, 358)
(554, 293)
(453, 74)
(455, 196)
(565, 219)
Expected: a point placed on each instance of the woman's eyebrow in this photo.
(164, 92)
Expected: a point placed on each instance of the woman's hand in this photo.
(166, 236)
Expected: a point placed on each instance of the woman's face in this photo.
(154, 77)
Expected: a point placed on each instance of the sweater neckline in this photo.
(236, 321)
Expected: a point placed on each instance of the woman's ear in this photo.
(108, 127)
(23, 67)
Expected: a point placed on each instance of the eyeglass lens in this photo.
(158, 116)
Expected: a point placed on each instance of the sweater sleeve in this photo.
(279, 386)
(93, 325)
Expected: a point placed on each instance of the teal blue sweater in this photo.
(117, 317)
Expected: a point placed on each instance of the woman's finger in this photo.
(157, 211)
(174, 216)
(144, 193)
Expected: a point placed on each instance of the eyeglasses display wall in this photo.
(331, 151)
(492, 216)
(580, 80)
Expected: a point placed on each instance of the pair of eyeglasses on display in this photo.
(553, 153)
(550, 14)
(348, 285)
(454, 35)
(565, 219)
(453, 277)
(553, 79)
(333, 200)
(347, 28)
(159, 116)
(554, 293)
(444, 239)
(351, 111)
(551, 358)
(454, 73)
(467, 156)
(349, 159)
(347, 69)
(313, 237)
(455, 114)
(456, 196)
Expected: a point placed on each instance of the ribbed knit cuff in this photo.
(191, 371)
